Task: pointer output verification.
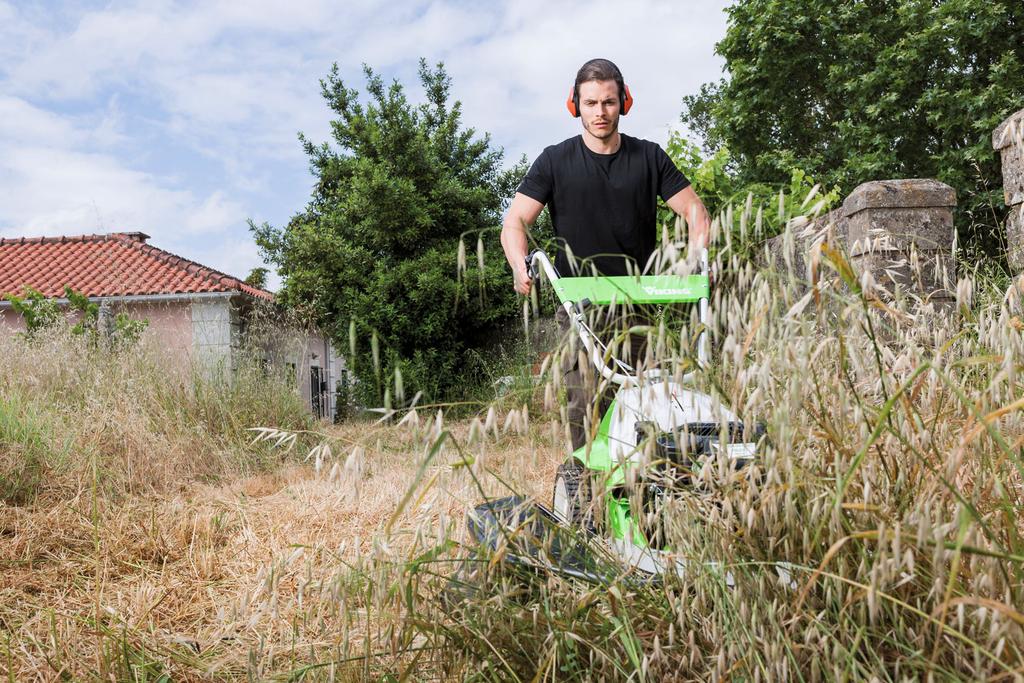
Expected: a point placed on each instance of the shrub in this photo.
(717, 181)
(39, 312)
(375, 249)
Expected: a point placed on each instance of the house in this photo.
(198, 317)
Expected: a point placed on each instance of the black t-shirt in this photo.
(603, 205)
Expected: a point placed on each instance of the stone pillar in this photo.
(1008, 140)
(902, 232)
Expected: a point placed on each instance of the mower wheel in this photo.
(571, 498)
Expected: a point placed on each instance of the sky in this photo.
(181, 119)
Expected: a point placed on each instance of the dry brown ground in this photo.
(239, 578)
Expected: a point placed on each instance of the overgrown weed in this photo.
(147, 423)
(888, 498)
(889, 495)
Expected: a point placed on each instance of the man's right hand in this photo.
(522, 213)
(523, 282)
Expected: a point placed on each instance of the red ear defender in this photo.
(570, 103)
(627, 101)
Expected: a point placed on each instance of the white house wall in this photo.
(213, 333)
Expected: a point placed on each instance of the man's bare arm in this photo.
(687, 204)
(521, 214)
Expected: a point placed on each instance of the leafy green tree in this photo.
(257, 277)
(856, 90)
(378, 243)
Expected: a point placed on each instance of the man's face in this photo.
(599, 107)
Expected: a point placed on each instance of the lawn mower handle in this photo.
(537, 261)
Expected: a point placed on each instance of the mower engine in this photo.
(673, 457)
(689, 445)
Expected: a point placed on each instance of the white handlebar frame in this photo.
(594, 346)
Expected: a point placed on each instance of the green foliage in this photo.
(121, 331)
(39, 312)
(720, 186)
(127, 330)
(25, 439)
(88, 324)
(343, 398)
(859, 91)
(257, 278)
(377, 244)
(710, 178)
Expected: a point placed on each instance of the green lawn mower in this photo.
(657, 432)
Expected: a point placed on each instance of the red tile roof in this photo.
(118, 264)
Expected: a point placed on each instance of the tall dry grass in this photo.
(254, 577)
(74, 415)
(889, 491)
(145, 534)
(889, 495)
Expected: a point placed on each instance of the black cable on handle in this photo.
(530, 270)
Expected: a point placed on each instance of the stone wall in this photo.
(793, 246)
(899, 230)
(1008, 140)
(902, 232)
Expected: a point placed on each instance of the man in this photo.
(601, 189)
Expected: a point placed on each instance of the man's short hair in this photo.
(599, 70)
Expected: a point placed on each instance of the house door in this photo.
(316, 391)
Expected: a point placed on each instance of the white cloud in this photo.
(107, 44)
(215, 214)
(54, 191)
(252, 69)
(440, 29)
(58, 178)
(236, 256)
(26, 124)
(109, 130)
